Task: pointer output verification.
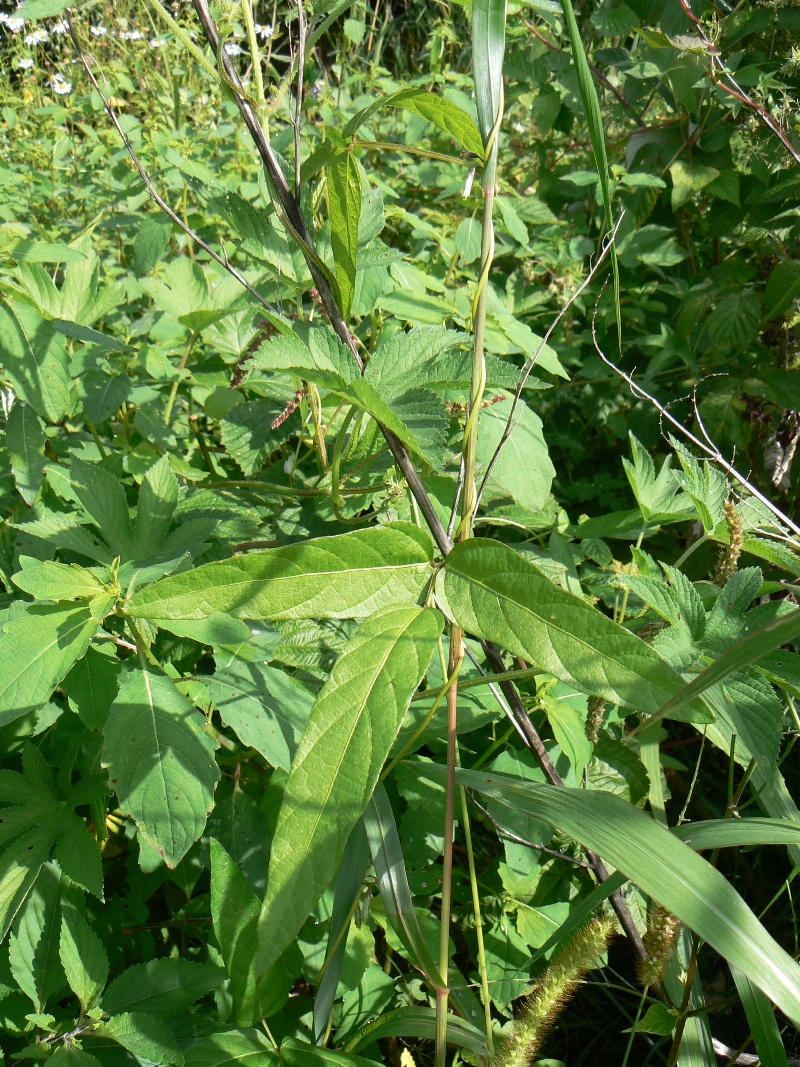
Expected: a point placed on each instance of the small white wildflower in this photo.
(14, 24)
(131, 35)
(232, 49)
(98, 31)
(60, 86)
(264, 32)
(154, 42)
(25, 63)
(37, 37)
(61, 28)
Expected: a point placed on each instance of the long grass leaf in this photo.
(488, 51)
(762, 1022)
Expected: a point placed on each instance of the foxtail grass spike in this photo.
(596, 709)
(660, 939)
(729, 556)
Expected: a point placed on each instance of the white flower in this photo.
(61, 27)
(264, 32)
(25, 63)
(37, 37)
(131, 35)
(233, 49)
(98, 31)
(14, 24)
(60, 86)
(154, 42)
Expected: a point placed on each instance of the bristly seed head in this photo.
(662, 933)
(596, 709)
(729, 557)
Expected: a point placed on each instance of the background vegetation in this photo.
(159, 417)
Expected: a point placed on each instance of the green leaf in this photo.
(248, 1047)
(146, 1036)
(35, 359)
(37, 649)
(151, 243)
(161, 987)
(762, 1022)
(420, 1023)
(488, 52)
(32, 10)
(493, 592)
(33, 945)
(160, 762)
(158, 498)
(47, 580)
(782, 289)
(594, 120)
(25, 443)
(72, 1056)
(103, 499)
(747, 651)
(344, 209)
(235, 909)
(300, 1054)
(22, 861)
(523, 470)
(92, 685)
(443, 113)
(661, 865)
(688, 179)
(346, 576)
(347, 738)
(265, 707)
(103, 394)
(82, 956)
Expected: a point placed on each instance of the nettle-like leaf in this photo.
(347, 738)
(82, 956)
(160, 762)
(34, 357)
(33, 943)
(705, 485)
(38, 646)
(37, 817)
(345, 576)
(656, 494)
(25, 441)
(161, 987)
(523, 470)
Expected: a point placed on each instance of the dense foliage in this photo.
(351, 354)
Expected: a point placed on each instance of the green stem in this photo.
(176, 383)
(185, 39)
(255, 54)
(489, 679)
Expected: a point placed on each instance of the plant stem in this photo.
(456, 655)
(176, 383)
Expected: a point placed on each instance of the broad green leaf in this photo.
(493, 592)
(33, 944)
(234, 910)
(217, 629)
(102, 394)
(344, 209)
(21, 863)
(246, 1047)
(92, 685)
(661, 865)
(523, 470)
(347, 738)
(346, 576)
(25, 443)
(36, 651)
(688, 179)
(161, 987)
(782, 289)
(264, 706)
(47, 580)
(762, 1022)
(158, 498)
(160, 762)
(436, 109)
(103, 499)
(35, 359)
(82, 956)
(146, 1036)
(32, 10)
(72, 1056)
(426, 357)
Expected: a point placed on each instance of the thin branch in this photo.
(298, 113)
(522, 840)
(531, 363)
(223, 261)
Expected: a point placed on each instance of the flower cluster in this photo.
(98, 31)
(37, 37)
(131, 35)
(11, 22)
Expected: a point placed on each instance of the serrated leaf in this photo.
(266, 708)
(161, 987)
(36, 651)
(523, 470)
(436, 109)
(35, 359)
(102, 496)
(247, 434)
(69, 1055)
(493, 592)
(25, 441)
(688, 179)
(92, 685)
(160, 762)
(158, 498)
(48, 580)
(146, 1036)
(33, 945)
(82, 956)
(358, 713)
(103, 394)
(344, 210)
(345, 576)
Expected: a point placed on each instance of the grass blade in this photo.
(761, 1018)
